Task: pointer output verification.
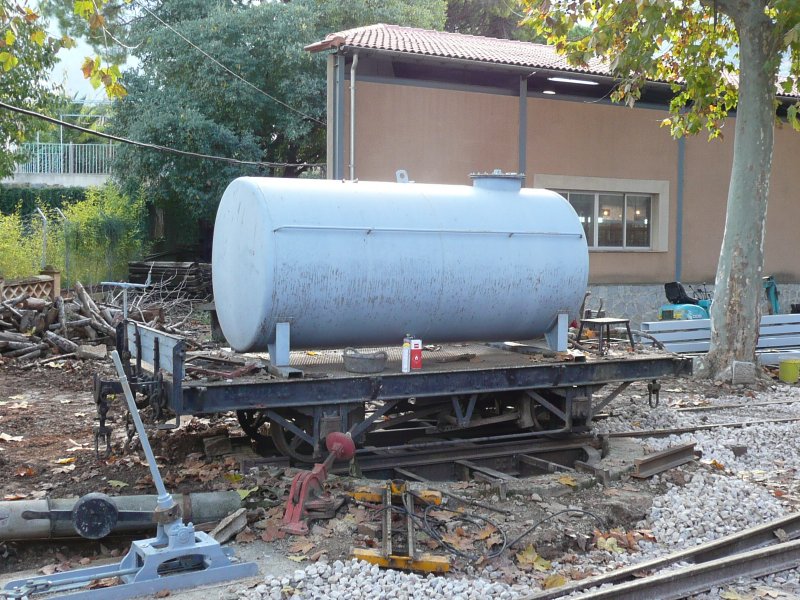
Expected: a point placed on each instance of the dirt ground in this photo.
(47, 417)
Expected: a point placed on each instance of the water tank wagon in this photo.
(364, 263)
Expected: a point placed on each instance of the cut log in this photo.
(26, 351)
(11, 336)
(61, 342)
(72, 324)
(36, 304)
(29, 356)
(11, 302)
(52, 315)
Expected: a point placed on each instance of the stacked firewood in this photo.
(190, 278)
(31, 328)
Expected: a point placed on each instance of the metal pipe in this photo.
(44, 237)
(204, 507)
(353, 68)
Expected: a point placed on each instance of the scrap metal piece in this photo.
(307, 499)
(189, 557)
(663, 461)
(393, 495)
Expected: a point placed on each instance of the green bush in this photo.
(102, 232)
(15, 198)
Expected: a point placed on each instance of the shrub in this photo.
(102, 232)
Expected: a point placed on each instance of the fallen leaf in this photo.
(25, 471)
(301, 547)
(85, 561)
(271, 533)
(104, 583)
(527, 556)
(245, 536)
(66, 461)
(553, 581)
(117, 485)
(486, 532)
(245, 493)
(568, 480)
(48, 569)
(778, 493)
(717, 465)
(162, 593)
(13, 497)
(610, 544)
(731, 595)
(10, 438)
(299, 558)
(234, 477)
(66, 469)
(781, 535)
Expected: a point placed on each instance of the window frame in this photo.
(596, 218)
(658, 189)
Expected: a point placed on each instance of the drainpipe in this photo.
(353, 68)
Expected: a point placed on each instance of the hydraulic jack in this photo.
(178, 557)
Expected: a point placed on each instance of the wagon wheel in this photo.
(289, 443)
(255, 425)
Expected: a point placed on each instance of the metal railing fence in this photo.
(86, 159)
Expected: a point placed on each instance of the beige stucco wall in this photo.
(440, 136)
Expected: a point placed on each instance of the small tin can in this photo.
(405, 356)
(416, 355)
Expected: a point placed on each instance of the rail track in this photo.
(755, 552)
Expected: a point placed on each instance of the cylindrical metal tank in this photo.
(364, 263)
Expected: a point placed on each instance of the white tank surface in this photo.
(365, 263)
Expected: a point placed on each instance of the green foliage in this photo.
(177, 97)
(103, 231)
(27, 55)
(694, 46)
(20, 247)
(25, 199)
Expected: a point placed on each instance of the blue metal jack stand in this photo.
(178, 557)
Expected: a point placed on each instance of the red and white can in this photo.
(416, 354)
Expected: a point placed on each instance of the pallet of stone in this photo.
(193, 278)
(33, 328)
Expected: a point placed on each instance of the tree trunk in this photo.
(735, 313)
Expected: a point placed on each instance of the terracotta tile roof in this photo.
(454, 45)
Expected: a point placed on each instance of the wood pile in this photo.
(190, 278)
(32, 328)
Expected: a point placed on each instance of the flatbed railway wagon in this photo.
(304, 269)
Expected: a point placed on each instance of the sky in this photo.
(68, 70)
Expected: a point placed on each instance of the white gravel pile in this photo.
(709, 506)
(359, 580)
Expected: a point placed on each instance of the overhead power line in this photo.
(157, 147)
(226, 69)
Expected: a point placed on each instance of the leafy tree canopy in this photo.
(719, 55)
(180, 98)
(27, 53)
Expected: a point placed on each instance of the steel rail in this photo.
(711, 407)
(712, 552)
(696, 579)
(394, 456)
(693, 428)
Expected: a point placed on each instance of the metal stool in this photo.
(606, 322)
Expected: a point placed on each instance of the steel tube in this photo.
(202, 507)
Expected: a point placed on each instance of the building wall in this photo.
(441, 135)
